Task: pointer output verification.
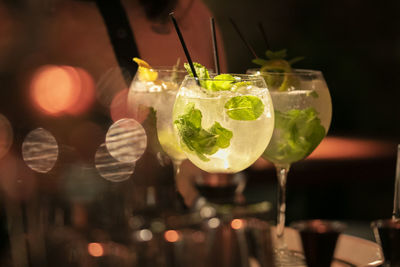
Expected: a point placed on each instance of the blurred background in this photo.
(356, 44)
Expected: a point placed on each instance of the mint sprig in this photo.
(222, 82)
(276, 62)
(197, 139)
(272, 56)
(300, 133)
(245, 108)
(201, 71)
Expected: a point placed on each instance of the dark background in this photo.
(356, 44)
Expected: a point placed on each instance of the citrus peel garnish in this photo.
(145, 72)
(278, 66)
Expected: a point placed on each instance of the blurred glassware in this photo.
(303, 112)
(396, 198)
(202, 239)
(151, 96)
(223, 127)
(319, 238)
(387, 235)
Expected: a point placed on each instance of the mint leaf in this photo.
(201, 71)
(245, 108)
(260, 61)
(197, 139)
(281, 54)
(313, 94)
(238, 85)
(295, 60)
(299, 133)
(222, 82)
(223, 135)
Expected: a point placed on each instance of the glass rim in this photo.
(319, 225)
(167, 69)
(237, 76)
(303, 72)
(386, 223)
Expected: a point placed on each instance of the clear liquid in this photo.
(317, 97)
(250, 138)
(161, 99)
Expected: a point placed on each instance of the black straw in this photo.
(215, 46)
(243, 39)
(264, 35)
(184, 46)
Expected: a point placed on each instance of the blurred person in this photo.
(75, 33)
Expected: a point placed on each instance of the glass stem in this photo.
(176, 164)
(396, 199)
(282, 171)
(180, 201)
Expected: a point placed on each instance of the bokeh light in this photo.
(111, 169)
(237, 224)
(214, 223)
(126, 140)
(57, 90)
(6, 135)
(109, 85)
(87, 91)
(95, 249)
(145, 235)
(136, 106)
(118, 106)
(40, 150)
(171, 236)
(345, 148)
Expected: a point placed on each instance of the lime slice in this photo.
(277, 82)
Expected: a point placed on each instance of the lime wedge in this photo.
(277, 81)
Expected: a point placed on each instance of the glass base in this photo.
(286, 257)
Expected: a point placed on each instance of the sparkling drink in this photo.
(303, 112)
(248, 137)
(306, 113)
(159, 95)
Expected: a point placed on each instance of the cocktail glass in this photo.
(303, 112)
(154, 90)
(225, 128)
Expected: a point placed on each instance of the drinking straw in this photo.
(251, 49)
(396, 199)
(215, 47)
(264, 35)
(178, 31)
